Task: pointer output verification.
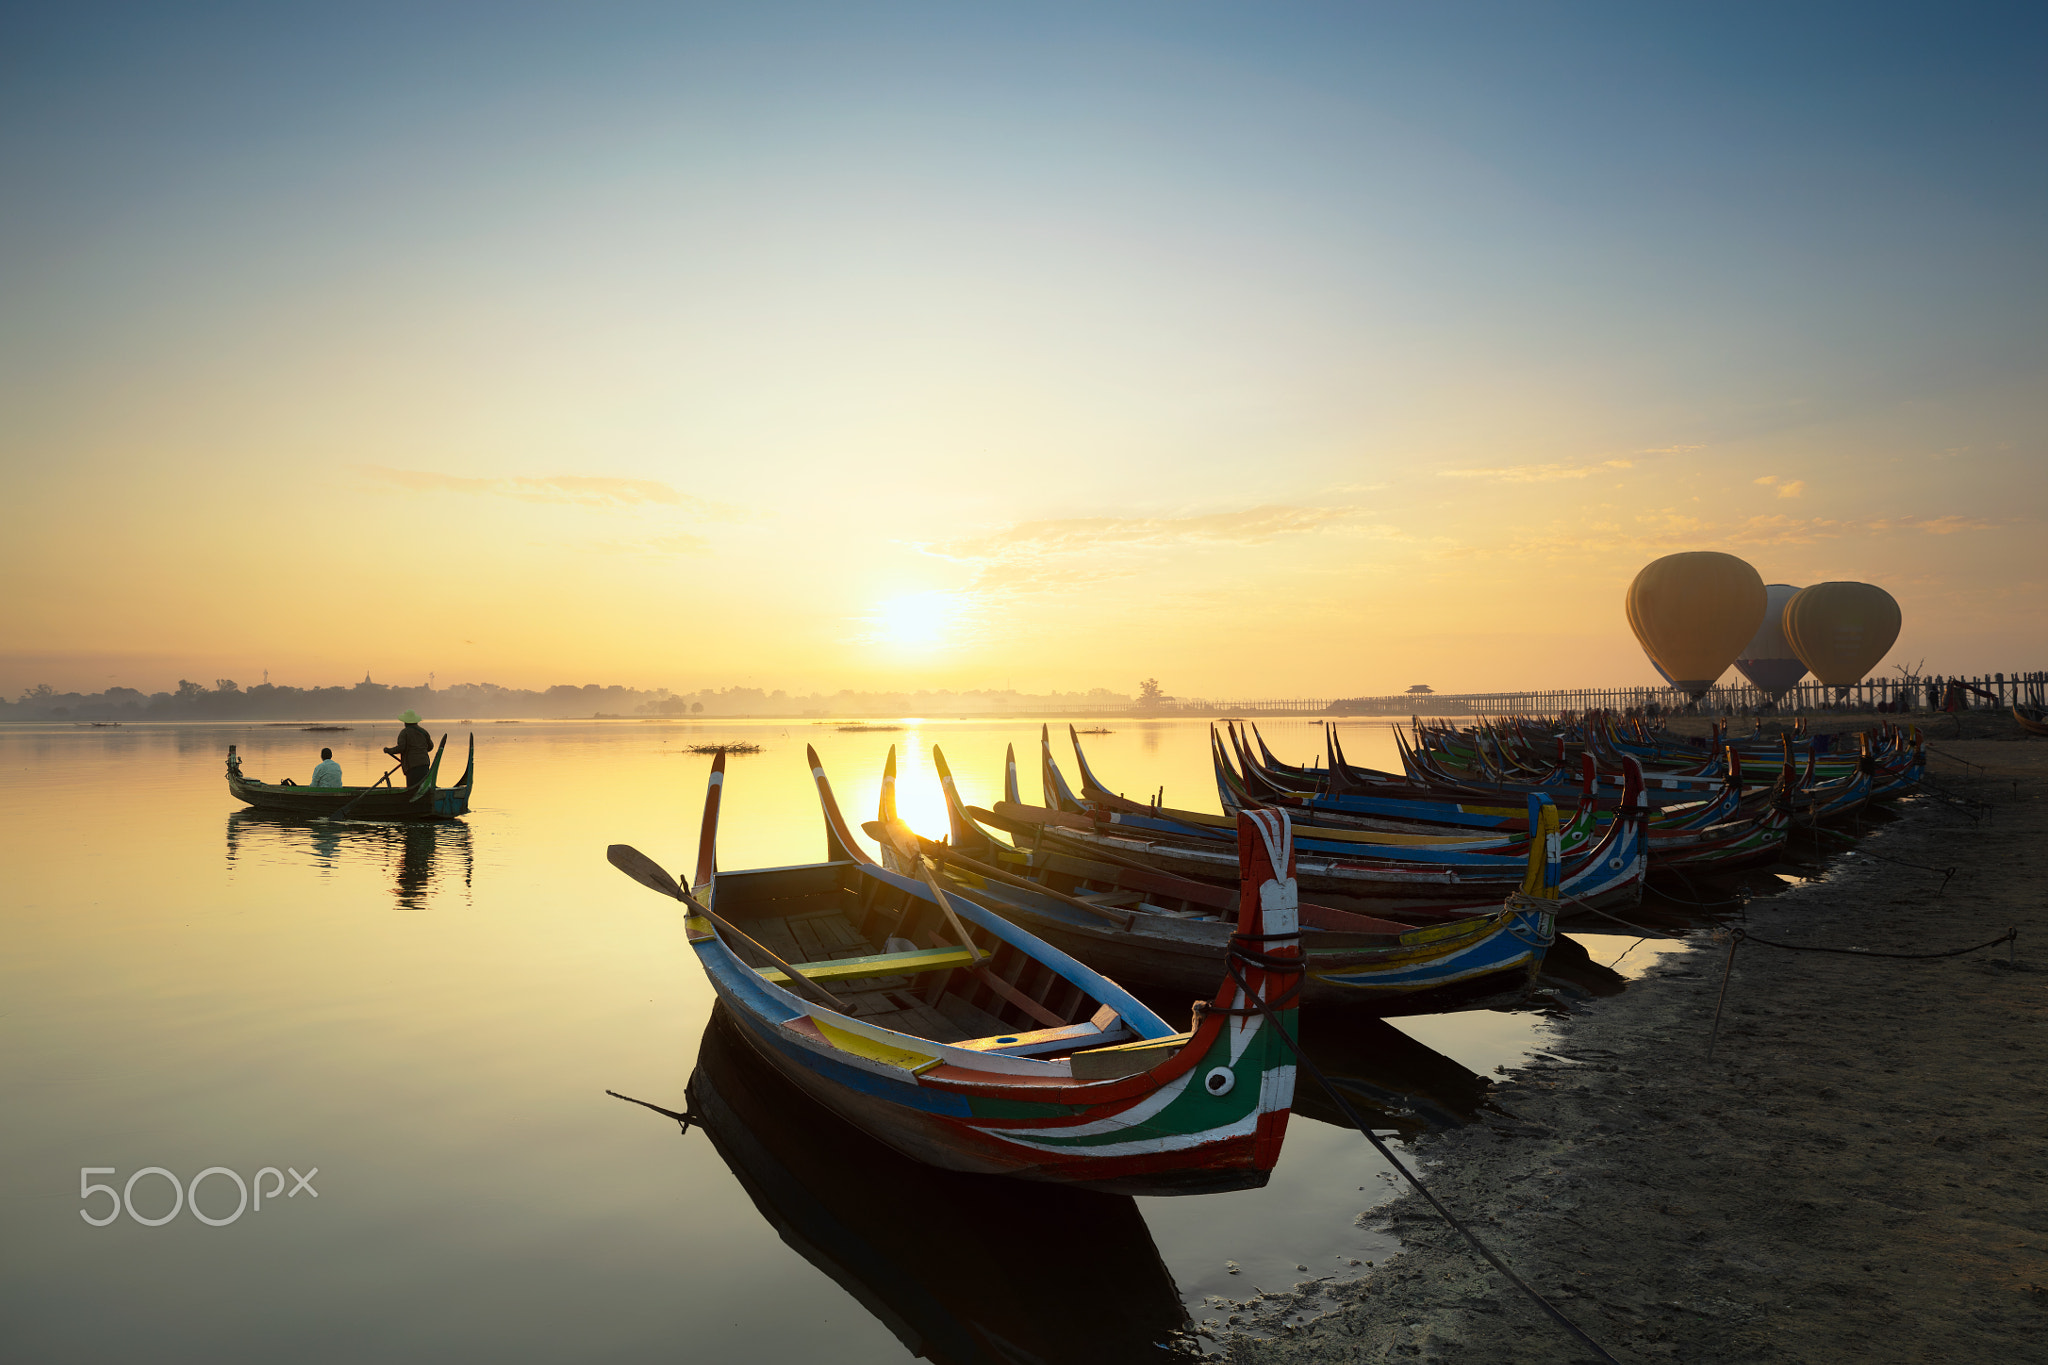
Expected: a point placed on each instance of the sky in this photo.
(1268, 350)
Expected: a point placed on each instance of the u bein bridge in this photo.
(1994, 691)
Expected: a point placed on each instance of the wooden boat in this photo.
(2031, 719)
(961, 1268)
(1713, 831)
(964, 1041)
(1172, 933)
(427, 801)
(1607, 871)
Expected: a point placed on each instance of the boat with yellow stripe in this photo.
(963, 1040)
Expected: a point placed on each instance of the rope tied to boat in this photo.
(1240, 950)
(683, 1120)
(1545, 932)
(1351, 1115)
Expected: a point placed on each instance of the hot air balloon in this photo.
(1693, 613)
(1841, 630)
(1768, 660)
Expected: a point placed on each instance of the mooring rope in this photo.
(1696, 903)
(1344, 1106)
(1738, 937)
(683, 1120)
(1946, 872)
(1647, 933)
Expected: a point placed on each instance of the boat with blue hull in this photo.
(964, 1041)
(1173, 933)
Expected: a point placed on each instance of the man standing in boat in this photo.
(414, 750)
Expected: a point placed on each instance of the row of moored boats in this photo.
(976, 1002)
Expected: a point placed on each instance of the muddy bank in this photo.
(1859, 1174)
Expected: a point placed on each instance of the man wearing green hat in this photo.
(414, 750)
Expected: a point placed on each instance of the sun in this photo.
(919, 620)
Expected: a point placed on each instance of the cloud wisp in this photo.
(1787, 488)
(1537, 473)
(581, 490)
(1665, 531)
(1065, 551)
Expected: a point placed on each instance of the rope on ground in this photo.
(1351, 1115)
(2009, 936)
(1739, 937)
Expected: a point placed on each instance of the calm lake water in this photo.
(430, 1016)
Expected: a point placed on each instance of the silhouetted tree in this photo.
(1148, 692)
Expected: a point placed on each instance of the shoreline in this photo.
(1859, 1174)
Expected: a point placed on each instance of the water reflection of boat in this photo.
(1392, 1080)
(416, 853)
(1571, 970)
(963, 1269)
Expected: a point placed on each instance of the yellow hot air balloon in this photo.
(1693, 613)
(1840, 631)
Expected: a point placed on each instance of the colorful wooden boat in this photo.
(1175, 934)
(965, 1042)
(1606, 871)
(961, 1268)
(426, 801)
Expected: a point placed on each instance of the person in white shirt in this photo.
(327, 773)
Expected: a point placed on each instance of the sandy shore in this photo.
(1861, 1173)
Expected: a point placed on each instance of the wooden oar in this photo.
(903, 839)
(655, 877)
(943, 855)
(350, 804)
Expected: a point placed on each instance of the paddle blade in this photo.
(643, 870)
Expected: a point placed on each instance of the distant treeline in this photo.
(366, 700)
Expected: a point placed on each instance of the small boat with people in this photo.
(425, 799)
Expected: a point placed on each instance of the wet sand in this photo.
(1860, 1173)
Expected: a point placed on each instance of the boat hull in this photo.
(401, 803)
(894, 1114)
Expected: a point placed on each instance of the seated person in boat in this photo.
(414, 749)
(327, 773)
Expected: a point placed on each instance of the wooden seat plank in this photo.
(875, 964)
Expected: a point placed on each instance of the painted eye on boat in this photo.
(1614, 863)
(1220, 1080)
